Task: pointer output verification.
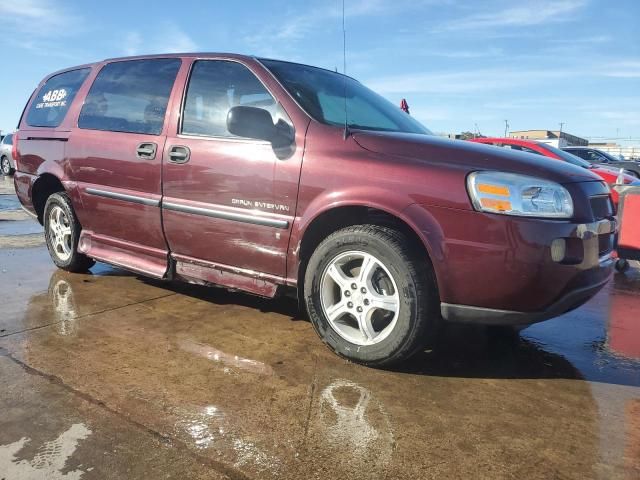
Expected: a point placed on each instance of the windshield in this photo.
(566, 156)
(321, 93)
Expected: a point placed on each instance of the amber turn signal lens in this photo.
(493, 189)
(495, 204)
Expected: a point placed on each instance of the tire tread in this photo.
(418, 268)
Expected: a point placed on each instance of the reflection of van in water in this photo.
(258, 174)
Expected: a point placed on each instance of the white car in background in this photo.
(6, 160)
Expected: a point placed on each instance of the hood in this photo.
(610, 175)
(469, 155)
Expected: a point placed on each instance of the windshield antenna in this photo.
(344, 73)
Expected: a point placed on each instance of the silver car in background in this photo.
(6, 160)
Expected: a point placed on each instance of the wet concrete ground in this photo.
(108, 375)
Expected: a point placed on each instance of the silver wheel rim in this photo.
(5, 166)
(60, 233)
(359, 298)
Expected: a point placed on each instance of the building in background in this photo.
(461, 135)
(555, 138)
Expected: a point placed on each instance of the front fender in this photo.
(396, 204)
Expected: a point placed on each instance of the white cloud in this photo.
(328, 16)
(526, 14)
(38, 25)
(175, 41)
(623, 69)
(472, 81)
(39, 18)
(132, 43)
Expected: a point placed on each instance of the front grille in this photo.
(602, 208)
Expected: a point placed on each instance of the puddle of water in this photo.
(9, 202)
(601, 339)
(207, 427)
(50, 460)
(226, 359)
(355, 422)
(19, 227)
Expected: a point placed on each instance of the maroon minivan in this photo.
(257, 175)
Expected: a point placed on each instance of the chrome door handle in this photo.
(147, 150)
(179, 154)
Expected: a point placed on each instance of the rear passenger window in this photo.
(130, 96)
(215, 86)
(54, 98)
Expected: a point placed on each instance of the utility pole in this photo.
(506, 128)
(477, 131)
(561, 125)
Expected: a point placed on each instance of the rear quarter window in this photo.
(55, 97)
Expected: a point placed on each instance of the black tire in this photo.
(622, 265)
(76, 262)
(418, 314)
(5, 166)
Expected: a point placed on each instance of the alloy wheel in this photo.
(60, 233)
(359, 298)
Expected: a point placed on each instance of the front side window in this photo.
(321, 93)
(8, 140)
(130, 96)
(216, 86)
(50, 106)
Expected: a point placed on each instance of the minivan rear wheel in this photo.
(62, 232)
(371, 295)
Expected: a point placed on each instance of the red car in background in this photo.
(609, 175)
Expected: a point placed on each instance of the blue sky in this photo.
(458, 63)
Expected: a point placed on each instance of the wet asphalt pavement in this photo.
(109, 375)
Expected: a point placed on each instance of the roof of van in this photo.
(236, 56)
(184, 54)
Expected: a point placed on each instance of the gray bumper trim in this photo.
(492, 316)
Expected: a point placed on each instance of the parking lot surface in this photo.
(109, 375)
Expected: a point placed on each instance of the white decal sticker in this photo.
(53, 98)
(278, 207)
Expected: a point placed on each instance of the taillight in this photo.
(14, 150)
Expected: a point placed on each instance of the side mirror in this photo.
(251, 122)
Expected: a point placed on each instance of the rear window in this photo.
(130, 96)
(54, 98)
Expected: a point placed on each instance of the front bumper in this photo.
(493, 316)
(581, 282)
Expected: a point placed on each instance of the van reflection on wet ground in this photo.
(235, 386)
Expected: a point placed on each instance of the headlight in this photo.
(520, 195)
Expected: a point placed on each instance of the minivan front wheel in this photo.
(62, 232)
(371, 295)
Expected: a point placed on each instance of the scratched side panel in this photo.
(227, 176)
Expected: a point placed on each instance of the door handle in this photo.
(179, 154)
(147, 150)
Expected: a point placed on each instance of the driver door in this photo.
(222, 209)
